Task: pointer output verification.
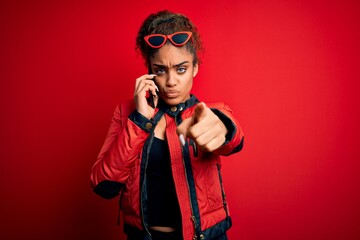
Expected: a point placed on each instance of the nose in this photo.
(171, 79)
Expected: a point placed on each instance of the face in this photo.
(175, 72)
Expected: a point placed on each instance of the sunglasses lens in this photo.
(180, 38)
(156, 40)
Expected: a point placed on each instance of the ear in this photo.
(196, 69)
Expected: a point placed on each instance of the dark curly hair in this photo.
(166, 22)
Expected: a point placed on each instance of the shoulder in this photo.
(219, 106)
(125, 108)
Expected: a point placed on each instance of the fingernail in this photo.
(157, 89)
(182, 139)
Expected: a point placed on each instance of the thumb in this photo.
(183, 128)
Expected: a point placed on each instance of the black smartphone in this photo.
(151, 96)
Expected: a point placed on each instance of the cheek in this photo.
(188, 83)
(160, 82)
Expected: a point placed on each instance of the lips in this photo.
(172, 93)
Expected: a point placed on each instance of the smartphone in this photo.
(150, 99)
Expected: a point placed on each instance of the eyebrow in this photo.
(176, 65)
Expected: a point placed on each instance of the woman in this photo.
(162, 150)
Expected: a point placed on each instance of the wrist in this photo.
(142, 121)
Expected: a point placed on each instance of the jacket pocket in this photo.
(214, 187)
(130, 192)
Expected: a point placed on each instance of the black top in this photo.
(162, 202)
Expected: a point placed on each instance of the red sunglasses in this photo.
(158, 40)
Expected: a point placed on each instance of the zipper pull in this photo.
(193, 144)
(194, 221)
(195, 227)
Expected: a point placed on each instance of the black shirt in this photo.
(163, 205)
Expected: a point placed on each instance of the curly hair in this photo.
(166, 22)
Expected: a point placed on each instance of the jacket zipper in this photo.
(193, 218)
(222, 190)
(143, 184)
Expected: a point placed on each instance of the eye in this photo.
(181, 69)
(160, 71)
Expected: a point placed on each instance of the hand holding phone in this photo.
(146, 95)
(152, 96)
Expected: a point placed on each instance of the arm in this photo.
(213, 129)
(234, 137)
(125, 138)
(123, 144)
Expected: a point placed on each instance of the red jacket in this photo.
(122, 162)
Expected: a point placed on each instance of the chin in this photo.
(172, 101)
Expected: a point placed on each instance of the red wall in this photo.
(289, 69)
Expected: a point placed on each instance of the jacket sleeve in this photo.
(234, 139)
(122, 145)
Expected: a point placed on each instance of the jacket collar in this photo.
(175, 109)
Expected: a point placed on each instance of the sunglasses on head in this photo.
(158, 40)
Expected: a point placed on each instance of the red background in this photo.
(289, 69)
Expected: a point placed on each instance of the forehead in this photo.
(169, 55)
